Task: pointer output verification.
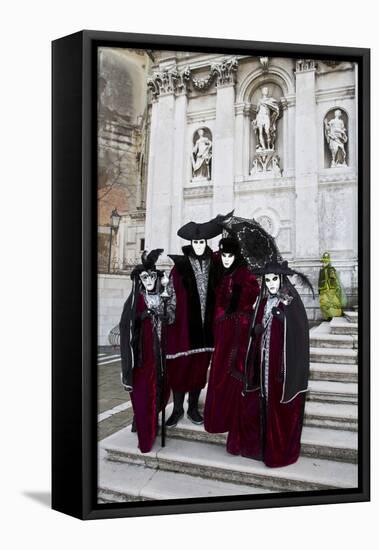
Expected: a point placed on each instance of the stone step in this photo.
(338, 416)
(340, 325)
(315, 441)
(344, 341)
(213, 462)
(121, 482)
(334, 373)
(326, 391)
(351, 316)
(333, 355)
(321, 337)
(333, 392)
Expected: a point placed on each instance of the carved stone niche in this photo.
(201, 155)
(336, 138)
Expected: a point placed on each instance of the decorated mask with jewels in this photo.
(148, 279)
(272, 282)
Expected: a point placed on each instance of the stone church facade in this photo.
(201, 134)
(277, 142)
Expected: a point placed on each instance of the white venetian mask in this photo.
(198, 246)
(272, 281)
(227, 259)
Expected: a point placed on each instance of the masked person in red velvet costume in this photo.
(141, 327)
(190, 339)
(269, 417)
(236, 292)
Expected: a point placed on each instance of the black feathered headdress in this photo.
(148, 261)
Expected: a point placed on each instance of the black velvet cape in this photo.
(296, 352)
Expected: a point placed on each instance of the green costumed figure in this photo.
(332, 296)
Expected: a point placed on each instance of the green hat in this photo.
(325, 258)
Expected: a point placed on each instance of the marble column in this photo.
(178, 172)
(161, 154)
(239, 141)
(223, 150)
(150, 171)
(307, 227)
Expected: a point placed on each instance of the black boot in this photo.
(134, 425)
(178, 410)
(193, 407)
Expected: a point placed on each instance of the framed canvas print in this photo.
(210, 274)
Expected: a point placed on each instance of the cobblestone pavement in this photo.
(114, 405)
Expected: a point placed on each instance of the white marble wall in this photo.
(113, 290)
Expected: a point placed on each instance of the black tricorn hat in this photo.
(195, 231)
(280, 268)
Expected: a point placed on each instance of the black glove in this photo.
(258, 329)
(278, 313)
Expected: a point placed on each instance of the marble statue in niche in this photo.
(336, 138)
(201, 155)
(266, 161)
(264, 124)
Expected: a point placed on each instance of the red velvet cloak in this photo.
(146, 396)
(235, 296)
(270, 431)
(189, 340)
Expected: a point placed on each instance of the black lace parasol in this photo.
(257, 246)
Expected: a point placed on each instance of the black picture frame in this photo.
(74, 294)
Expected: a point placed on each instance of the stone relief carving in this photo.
(264, 61)
(226, 71)
(201, 155)
(336, 138)
(201, 84)
(222, 73)
(266, 164)
(174, 81)
(305, 65)
(269, 219)
(267, 223)
(276, 167)
(163, 82)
